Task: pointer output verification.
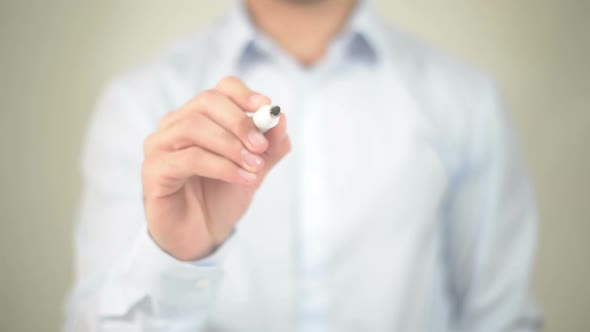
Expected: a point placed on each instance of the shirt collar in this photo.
(363, 31)
(240, 41)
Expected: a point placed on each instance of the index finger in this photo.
(236, 90)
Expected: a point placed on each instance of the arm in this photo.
(121, 274)
(131, 272)
(491, 222)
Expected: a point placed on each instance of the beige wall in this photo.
(55, 55)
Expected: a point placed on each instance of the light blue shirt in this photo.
(403, 206)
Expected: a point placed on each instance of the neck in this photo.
(303, 28)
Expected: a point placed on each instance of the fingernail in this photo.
(251, 159)
(247, 176)
(256, 138)
(259, 100)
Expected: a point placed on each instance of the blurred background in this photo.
(56, 56)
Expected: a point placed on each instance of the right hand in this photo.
(202, 167)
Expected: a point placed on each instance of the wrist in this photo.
(184, 250)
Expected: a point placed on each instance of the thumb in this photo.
(279, 144)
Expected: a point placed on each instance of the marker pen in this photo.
(266, 117)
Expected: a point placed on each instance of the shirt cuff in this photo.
(147, 272)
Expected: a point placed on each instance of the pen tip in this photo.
(275, 110)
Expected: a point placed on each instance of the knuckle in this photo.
(228, 142)
(207, 96)
(189, 125)
(148, 171)
(185, 132)
(174, 163)
(185, 160)
(205, 99)
(149, 144)
(166, 119)
(228, 81)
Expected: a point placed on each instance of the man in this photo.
(397, 202)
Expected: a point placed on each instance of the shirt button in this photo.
(203, 283)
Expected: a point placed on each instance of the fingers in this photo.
(241, 94)
(212, 137)
(167, 173)
(279, 145)
(277, 133)
(219, 108)
(227, 114)
(231, 87)
(199, 130)
(198, 146)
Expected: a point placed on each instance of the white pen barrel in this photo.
(264, 119)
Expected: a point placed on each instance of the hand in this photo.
(203, 166)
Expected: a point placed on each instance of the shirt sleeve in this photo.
(492, 229)
(124, 281)
(149, 286)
